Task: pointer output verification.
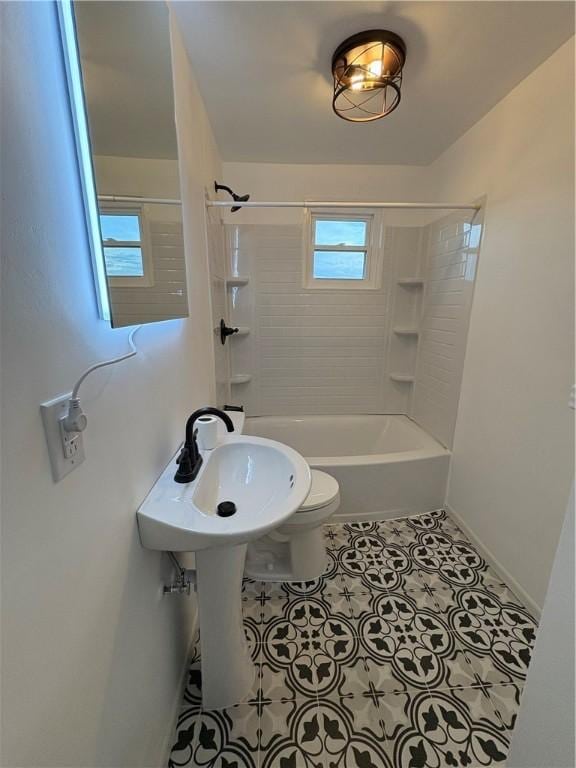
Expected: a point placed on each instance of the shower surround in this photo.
(397, 349)
(312, 350)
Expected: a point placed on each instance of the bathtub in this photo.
(387, 466)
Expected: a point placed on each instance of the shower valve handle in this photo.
(226, 331)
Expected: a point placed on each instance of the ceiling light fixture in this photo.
(367, 70)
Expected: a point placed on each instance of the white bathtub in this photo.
(386, 466)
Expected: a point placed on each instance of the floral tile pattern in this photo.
(409, 652)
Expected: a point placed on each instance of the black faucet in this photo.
(189, 460)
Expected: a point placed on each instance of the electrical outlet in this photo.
(70, 440)
(66, 449)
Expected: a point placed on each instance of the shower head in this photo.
(235, 197)
(239, 199)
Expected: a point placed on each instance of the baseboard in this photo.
(493, 561)
(169, 741)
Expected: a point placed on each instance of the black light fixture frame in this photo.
(341, 86)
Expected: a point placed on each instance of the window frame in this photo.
(130, 209)
(373, 262)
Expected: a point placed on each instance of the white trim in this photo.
(82, 137)
(372, 279)
(493, 561)
(145, 245)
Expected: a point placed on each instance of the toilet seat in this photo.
(323, 491)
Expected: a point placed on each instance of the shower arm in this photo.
(236, 198)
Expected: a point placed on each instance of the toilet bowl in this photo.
(296, 551)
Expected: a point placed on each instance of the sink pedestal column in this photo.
(227, 669)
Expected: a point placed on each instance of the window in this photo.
(340, 252)
(125, 247)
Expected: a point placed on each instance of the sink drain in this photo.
(226, 509)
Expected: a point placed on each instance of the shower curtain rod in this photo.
(333, 204)
(136, 199)
(293, 203)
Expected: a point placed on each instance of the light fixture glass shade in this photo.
(367, 70)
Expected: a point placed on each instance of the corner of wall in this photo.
(513, 448)
(199, 164)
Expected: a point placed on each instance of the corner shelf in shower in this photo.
(237, 281)
(416, 282)
(240, 378)
(402, 331)
(402, 378)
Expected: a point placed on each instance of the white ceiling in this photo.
(126, 67)
(264, 72)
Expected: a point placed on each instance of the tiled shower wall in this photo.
(450, 268)
(306, 351)
(317, 351)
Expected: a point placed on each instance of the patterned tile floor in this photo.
(408, 653)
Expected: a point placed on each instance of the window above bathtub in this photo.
(341, 251)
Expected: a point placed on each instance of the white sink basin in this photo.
(267, 482)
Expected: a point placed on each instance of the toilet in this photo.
(296, 551)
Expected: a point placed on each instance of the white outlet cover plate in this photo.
(52, 413)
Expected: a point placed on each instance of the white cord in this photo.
(75, 420)
(114, 360)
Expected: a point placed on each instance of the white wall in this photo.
(93, 655)
(270, 181)
(199, 164)
(544, 733)
(513, 448)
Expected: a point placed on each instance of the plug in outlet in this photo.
(66, 449)
(70, 440)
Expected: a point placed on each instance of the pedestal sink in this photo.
(266, 482)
